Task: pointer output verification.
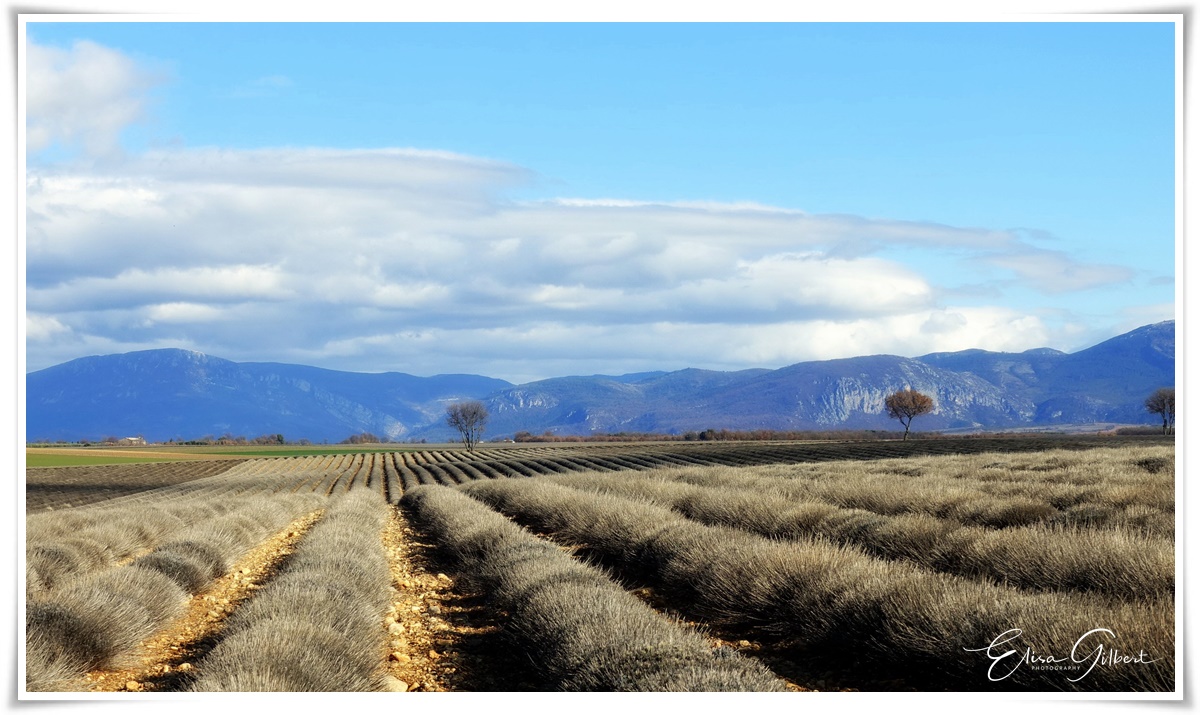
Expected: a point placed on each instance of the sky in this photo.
(530, 200)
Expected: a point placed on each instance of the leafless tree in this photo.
(1162, 403)
(906, 404)
(469, 418)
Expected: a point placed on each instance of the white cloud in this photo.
(812, 282)
(1056, 272)
(534, 350)
(398, 259)
(182, 313)
(221, 284)
(907, 334)
(41, 328)
(84, 96)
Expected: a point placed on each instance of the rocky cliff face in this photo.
(971, 389)
(165, 394)
(825, 395)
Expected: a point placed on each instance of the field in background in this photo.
(54, 456)
(59, 456)
(107, 472)
(88, 457)
(807, 566)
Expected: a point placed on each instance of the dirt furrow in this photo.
(798, 677)
(442, 637)
(163, 663)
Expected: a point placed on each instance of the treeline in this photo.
(1135, 431)
(364, 438)
(230, 439)
(709, 435)
(277, 439)
(368, 438)
(765, 435)
(225, 439)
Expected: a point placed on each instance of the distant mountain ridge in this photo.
(181, 394)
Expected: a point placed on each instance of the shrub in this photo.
(288, 654)
(1042, 557)
(581, 630)
(89, 622)
(316, 625)
(84, 619)
(836, 601)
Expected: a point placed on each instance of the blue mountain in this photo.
(973, 389)
(182, 394)
(166, 394)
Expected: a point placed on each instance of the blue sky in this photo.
(532, 200)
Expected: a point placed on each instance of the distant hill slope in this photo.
(165, 394)
(1107, 382)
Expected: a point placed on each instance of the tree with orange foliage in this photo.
(906, 404)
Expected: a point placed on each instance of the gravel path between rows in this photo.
(163, 663)
(439, 639)
(796, 677)
(442, 637)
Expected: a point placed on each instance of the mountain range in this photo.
(180, 394)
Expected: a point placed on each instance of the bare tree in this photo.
(906, 404)
(469, 418)
(1162, 402)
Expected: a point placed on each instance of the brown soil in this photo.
(439, 638)
(442, 637)
(163, 662)
(439, 615)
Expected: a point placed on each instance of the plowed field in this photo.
(743, 566)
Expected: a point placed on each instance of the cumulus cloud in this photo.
(411, 259)
(182, 313)
(83, 96)
(399, 259)
(137, 286)
(534, 350)
(40, 328)
(791, 283)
